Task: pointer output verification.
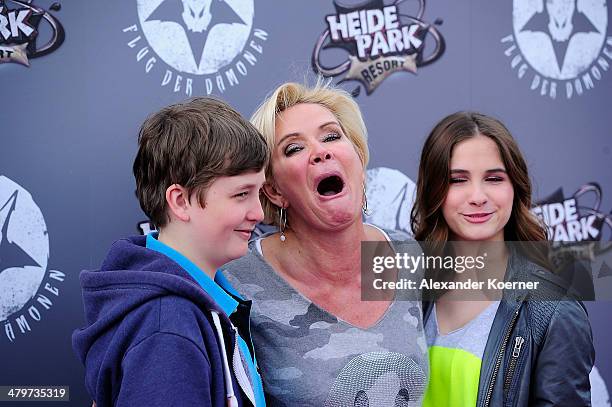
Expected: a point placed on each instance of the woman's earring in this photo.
(364, 207)
(282, 220)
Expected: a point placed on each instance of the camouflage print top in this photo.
(309, 357)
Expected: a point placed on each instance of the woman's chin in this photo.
(339, 217)
(347, 217)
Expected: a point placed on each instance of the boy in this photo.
(163, 328)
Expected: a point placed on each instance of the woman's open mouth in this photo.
(330, 186)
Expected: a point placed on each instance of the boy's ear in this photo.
(274, 195)
(177, 198)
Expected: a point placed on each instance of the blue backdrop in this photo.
(78, 78)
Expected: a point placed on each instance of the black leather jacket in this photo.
(539, 352)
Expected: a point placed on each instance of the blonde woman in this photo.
(317, 342)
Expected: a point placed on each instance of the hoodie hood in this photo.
(130, 276)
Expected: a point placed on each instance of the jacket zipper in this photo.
(500, 356)
(518, 345)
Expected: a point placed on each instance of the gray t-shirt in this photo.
(472, 337)
(309, 357)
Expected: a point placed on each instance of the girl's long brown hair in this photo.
(426, 218)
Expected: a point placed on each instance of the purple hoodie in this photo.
(150, 338)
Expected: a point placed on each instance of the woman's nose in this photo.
(320, 156)
(478, 196)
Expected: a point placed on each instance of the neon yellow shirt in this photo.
(455, 360)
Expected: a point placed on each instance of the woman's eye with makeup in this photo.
(331, 137)
(457, 180)
(292, 149)
(494, 179)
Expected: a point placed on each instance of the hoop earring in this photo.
(364, 206)
(282, 223)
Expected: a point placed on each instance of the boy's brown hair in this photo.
(191, 144)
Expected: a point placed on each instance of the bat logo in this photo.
(197, 17)
(560, 21)
(564, 42)
(11, 254)
(216, 40)
(24, 249)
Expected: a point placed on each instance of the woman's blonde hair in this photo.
(337, 101)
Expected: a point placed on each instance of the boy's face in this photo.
(222, 228)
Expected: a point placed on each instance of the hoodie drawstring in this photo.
(231, 398)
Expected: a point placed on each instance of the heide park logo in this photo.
(196, 46)
(559, 48)
(580, 231)
(576, 218)
(379, 39)
(29, 287)
(20, 27)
